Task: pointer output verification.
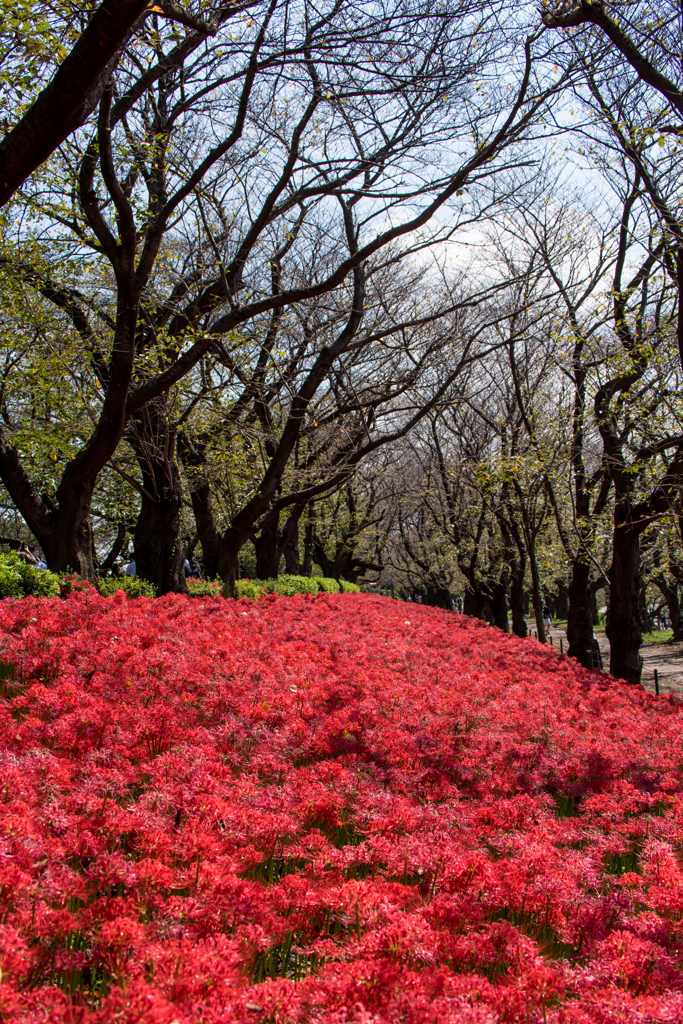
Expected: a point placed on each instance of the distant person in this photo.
(130, 568)
(597, 653)
(41, 563)
(547, 617)
(26, 555)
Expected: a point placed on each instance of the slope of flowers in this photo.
(332, 808)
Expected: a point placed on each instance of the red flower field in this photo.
(333, 808)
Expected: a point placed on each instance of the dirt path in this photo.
(667, 659)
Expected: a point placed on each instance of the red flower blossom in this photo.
(312, 809)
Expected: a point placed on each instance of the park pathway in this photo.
(667, 659)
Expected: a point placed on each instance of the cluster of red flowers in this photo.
(332, 808)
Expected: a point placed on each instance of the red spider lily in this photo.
(319, 808)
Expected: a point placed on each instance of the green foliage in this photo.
(326, 583)
(19, 579)
(132, 586)
(204, 588)
(285, 586)
(249, 588)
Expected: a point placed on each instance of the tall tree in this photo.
(76, 88)
(316, 126)
(632, 87)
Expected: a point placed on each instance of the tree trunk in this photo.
(268, 548)
(670, 594)
(438, 597)
(517, 597)
(66, 535)
(624, 629)
(289, 541)
(562, 603)
(475, 601)
(192, 455)
(318, 553)
(209, 537)
(159, 554)
(536, 595)
(309, 540)
(499, 605)
(580, 615)
(644, 614)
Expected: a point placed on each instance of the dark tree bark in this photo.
(562, 602)
(590, 11)
(580, 614)
(192, 455)
(68, 545)
(438, 597)
(319, 555)
(669, 592)
(518, 598)
(267, 546)
(530, 532)
(289, 541)
(475, 601)
(209, 537)
(309, 541)
(625, 628)
(159, 553)
(515, 558)
(499, 603)
(61, 525)
(644, 614)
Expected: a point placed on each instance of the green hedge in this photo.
(248, 588)
(330, 586)
(19, 579)
(204, 588)
(132, 586)
(287, 585)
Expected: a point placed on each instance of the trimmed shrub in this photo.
(327, 583)
(132, 586)
(204, 588)
(285, 586)
(19, 579)
(249, 588)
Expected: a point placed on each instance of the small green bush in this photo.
(19, 579)
(249, 588)
(285, 586)
(204, 588)
(132, 586)
(327, 583)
